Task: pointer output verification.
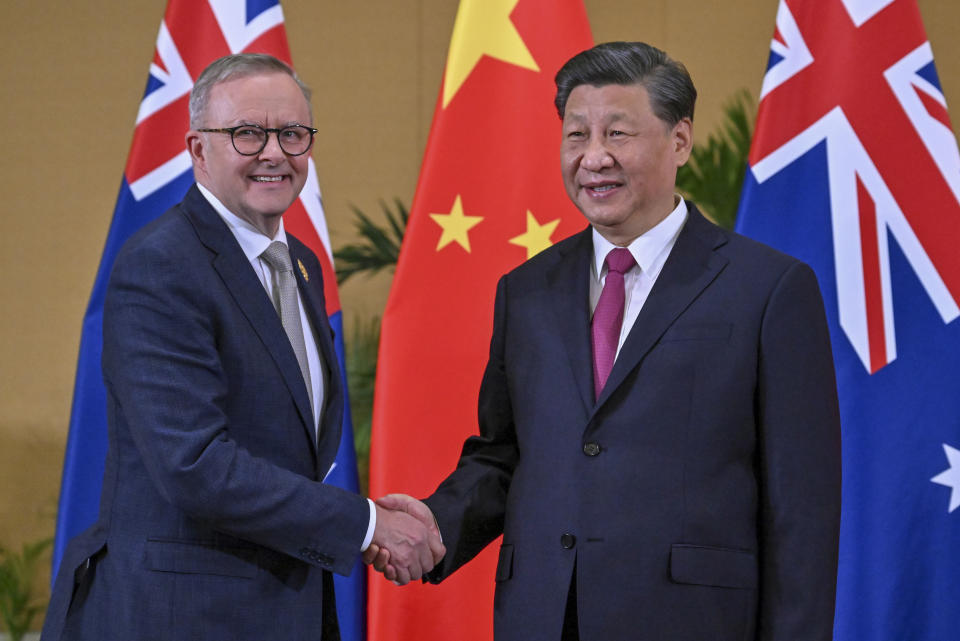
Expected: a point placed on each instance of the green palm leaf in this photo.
(713, 177)
(379, 246)
(18, 598)
(361, 362)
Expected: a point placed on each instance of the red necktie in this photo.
(608, 316)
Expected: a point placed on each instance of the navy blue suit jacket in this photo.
(214, 521)
(699, 497)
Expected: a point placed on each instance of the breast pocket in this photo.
(698, 332)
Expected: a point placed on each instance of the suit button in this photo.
(567, 541)
(591, 449)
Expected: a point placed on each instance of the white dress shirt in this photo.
(254, 242)
(650, 250)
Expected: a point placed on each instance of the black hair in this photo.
(671, 91)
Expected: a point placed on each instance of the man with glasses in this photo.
(225, 403)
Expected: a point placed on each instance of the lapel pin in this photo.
(303, 270)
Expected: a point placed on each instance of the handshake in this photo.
(406, 541)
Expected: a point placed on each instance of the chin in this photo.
(274, 206)
(605, 219)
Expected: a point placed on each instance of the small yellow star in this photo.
(455, 226)
(483, 27)
(537, 236)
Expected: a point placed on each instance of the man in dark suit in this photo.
(659, 434)
(224, 403)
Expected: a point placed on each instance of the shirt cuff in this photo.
(370, 527)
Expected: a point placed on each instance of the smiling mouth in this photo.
(267, 179)
(600, 189)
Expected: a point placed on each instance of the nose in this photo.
(272, 150)
(596, 156)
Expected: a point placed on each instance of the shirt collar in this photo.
(646, 247)
(252, 241)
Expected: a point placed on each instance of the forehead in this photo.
(274, 96)
(608, 101)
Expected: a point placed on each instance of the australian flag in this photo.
(854, 168)
(192, 34)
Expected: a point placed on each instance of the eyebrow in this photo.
(258, 123)
(614, 117)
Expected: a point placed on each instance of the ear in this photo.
(198, 152)
(682, 141)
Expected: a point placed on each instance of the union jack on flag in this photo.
(158, 173)
(854, 168)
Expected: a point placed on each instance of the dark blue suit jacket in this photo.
(699, 497)
(214, 522)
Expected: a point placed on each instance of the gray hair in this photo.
(671, 91)
(232, 67)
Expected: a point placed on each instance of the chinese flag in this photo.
(490, 196)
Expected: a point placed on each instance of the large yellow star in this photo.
(537, 236)
(455, 226)
(483, 27)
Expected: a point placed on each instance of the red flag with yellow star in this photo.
(490, 196)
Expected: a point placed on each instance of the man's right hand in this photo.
(406, 542)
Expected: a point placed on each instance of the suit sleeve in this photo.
(470, 504)
(165, 377)
(799, 464)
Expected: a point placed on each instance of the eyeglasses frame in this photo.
(266, 138)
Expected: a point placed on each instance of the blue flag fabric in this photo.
(854, 169)
(158, 174)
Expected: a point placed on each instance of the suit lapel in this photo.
(234, 269)
(310, 283)
(691, 267)
(568, 283)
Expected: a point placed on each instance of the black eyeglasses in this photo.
(250, 140)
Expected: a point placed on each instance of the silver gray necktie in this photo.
(287, 304)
